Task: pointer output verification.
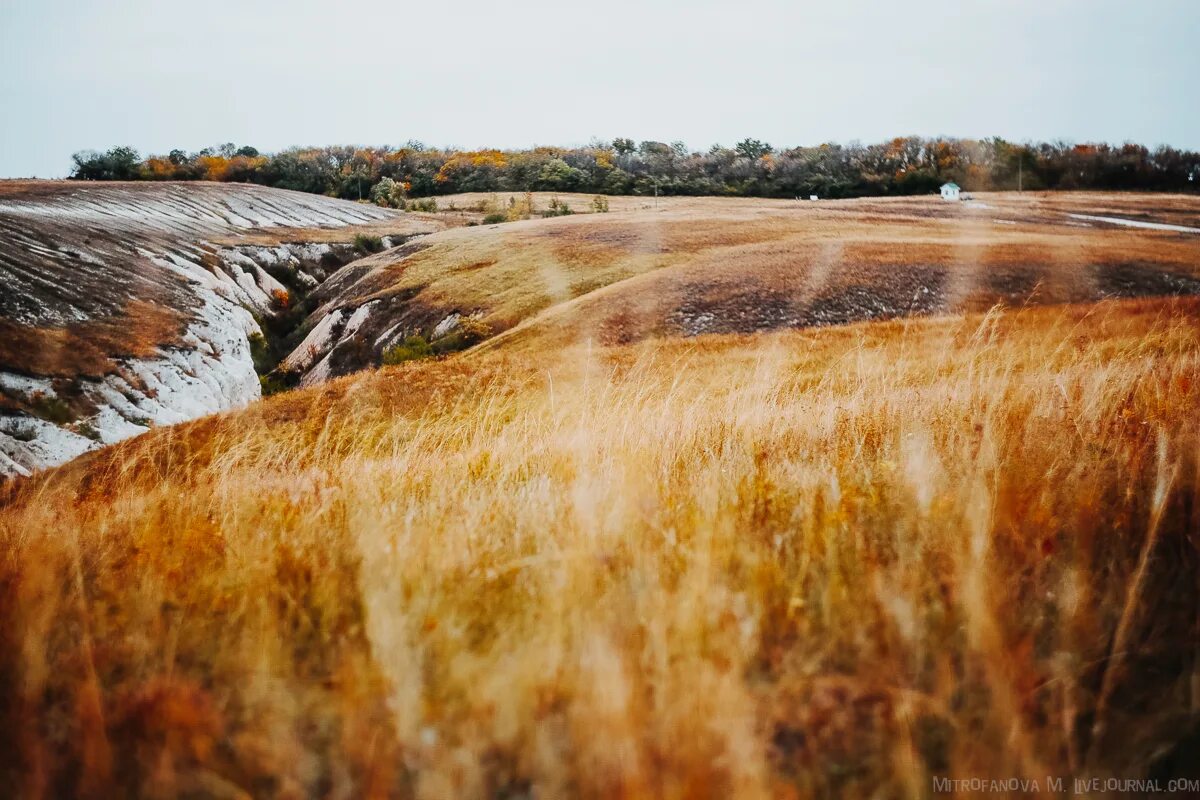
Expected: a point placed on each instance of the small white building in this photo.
(950, 191)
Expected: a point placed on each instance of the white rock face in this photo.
(311, 359)
(28, 444)
(390, 336)
(447, 325)
(213, 372)
(77, 252)
(316, 344)
(25, 387)
(359, 318)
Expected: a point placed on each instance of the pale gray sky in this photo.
(159, 74)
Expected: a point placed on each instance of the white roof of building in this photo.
(950, 185)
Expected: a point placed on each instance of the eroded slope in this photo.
(128, 305)
(691, 266)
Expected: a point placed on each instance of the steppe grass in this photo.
(822, 563)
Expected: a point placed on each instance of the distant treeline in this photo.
(903, 166)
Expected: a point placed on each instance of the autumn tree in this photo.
(903, 165)
(752, 149)
(623, 146)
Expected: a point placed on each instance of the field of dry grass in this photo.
(711, 265)
(826, 562)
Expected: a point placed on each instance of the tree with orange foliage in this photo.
(159, 169)
(473, 171)
(213, 168)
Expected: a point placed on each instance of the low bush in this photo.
(22, 434)
(411, 349)
(260, 352)
(389, 194)
(557, 208)
(520, 209)
(278, 381)
(88, 430)
(367, 244)
(470, 331)
(51, 409)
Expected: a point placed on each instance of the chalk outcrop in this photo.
(125, 306)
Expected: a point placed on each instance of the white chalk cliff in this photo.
(74, 254)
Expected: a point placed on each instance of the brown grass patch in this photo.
(629, 273)
(828, 563)
(90, 348)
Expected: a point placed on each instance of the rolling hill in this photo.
(738, 498)
(691, 266)
(129, 305)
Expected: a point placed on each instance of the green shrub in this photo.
(495, 217)
(118, 164)
(428, 204)
(51, 409)
(600, 204)
(365, 243)
(260, 352)
(388, 193)
(88, 430)
(557, 208)
(278, 381)
(412, 348)
(470, 331)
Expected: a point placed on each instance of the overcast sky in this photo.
(79, 74)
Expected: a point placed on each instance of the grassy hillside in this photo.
(821, 562)
(690, 266)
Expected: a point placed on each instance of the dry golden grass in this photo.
(823, 563)
(88, 348)
(642, 271)
(408, 225)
